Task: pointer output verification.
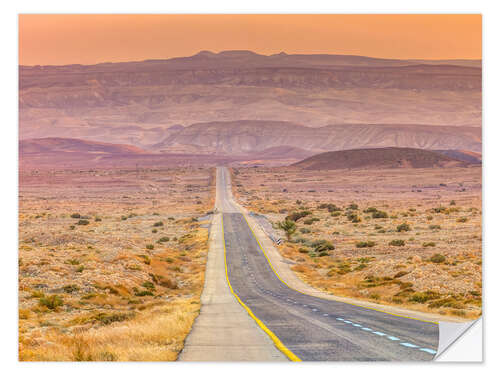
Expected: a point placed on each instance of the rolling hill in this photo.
(379, 158)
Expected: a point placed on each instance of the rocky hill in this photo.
(379, 158)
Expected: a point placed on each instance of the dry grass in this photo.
(424, 255)
(100, 291)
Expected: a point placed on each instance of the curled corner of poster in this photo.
(460, 342)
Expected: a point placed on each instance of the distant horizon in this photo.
(257, 53)
(89, 39)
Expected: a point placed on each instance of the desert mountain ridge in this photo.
(247, 136)
(379, 158)
(141, 103)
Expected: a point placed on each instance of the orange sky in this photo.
(88, 39)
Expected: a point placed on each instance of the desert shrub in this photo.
(365, 244)
(150, 246)
(143, 293)
(124, 217)
(453, 203)
(169, 260)
(351, 216)
(439, 210)
(158, 224)
(330, 207)
(322, 245)
(370, 210)
(80, 269)
(71, 288)
(353, 206)
(148, 285)
(403, 227)
(147, 260)
(429, 244)
(289, 227)
(303, 251)
(434, 227)
(423, 297)
(295, 216)
(154, 231)
(311, 220)
(379, 215)
(462, 220)
(335, 214)
(163, 239)
(83, 222)
(75, 216)
(51, 302)
(400, 274)
(98, 219)
(437, 258)
(397, 243)
(71, 227)
(106, 319)
(73, 262)
(304, 230)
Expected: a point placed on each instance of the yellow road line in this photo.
(326, 299)
(270, 333)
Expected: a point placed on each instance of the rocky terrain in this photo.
(404, 236)
(111, 263)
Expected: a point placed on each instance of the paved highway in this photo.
(312, 328)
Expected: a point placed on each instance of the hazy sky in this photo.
(88, 39)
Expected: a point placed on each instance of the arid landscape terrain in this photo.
(409, 237)
(368, 169)
(111, 262)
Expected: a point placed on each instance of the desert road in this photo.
(311, 328)
(249, 314)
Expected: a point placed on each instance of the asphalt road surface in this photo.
(314, 329)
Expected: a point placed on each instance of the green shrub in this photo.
(150, 246)
(353, 206)
(83, 222)
(106, 319)
(142, 293)
(397, 243)
(362, 244)
(124, 217)
(335, 214)
(435, 227)
(51, 302)
(163, 239)
(437, 258)
(429, 244)
(80, 269)
(148, 285)
(403, 227)
(370, 210)
(154, 231)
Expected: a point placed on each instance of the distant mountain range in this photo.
(144, 103)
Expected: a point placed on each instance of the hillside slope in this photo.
(243, 137)
(380, 158)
